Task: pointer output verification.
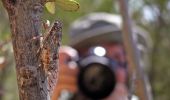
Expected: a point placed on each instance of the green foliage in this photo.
(8, 83)
(68, 5)
(50, 7)
(4, 25)
(159, 29)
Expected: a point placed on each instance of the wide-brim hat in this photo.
(97, 28)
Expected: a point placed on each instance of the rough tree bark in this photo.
(36, 62)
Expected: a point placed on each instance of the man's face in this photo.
(115, 52)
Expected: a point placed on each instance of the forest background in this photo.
(152, 15)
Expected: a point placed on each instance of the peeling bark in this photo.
(25, 23)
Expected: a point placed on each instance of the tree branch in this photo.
(49, 53)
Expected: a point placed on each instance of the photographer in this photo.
(98, 36)
(99, 30)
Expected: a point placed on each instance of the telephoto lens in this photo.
(96, 78)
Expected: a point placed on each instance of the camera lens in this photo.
(96, 80)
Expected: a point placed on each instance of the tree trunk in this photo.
(25, 23)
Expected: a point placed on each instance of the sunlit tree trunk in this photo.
(25, 23)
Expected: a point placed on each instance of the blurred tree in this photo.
(153, 15)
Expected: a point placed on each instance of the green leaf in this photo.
(68, 5)
(50, 7)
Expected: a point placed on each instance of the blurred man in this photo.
(91, 33)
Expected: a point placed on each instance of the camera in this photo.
(85, 77)
(96, 78)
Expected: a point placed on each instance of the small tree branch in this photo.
(49, 53)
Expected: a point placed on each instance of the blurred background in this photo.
(152, 15)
